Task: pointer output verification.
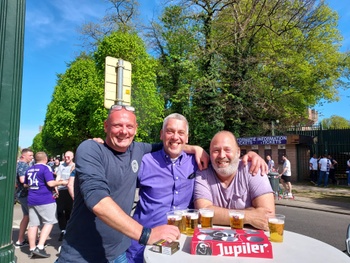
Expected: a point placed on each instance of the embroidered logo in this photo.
(134, 166)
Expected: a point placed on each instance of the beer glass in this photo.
(207, 215)
(276, 227)
(183, 221)
(175, 218)
(191, 220)
(236, 219)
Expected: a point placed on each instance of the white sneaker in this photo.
(289, 195)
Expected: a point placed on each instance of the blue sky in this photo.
(52, 41)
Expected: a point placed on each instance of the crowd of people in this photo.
(323, 170)
(94, 218)
(39, 185)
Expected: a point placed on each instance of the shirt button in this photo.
(176, 192)
(177, 178)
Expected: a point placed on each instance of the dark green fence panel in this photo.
(11, 67)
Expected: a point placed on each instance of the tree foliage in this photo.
(144, 96)
(335, 122)
(38, 144)
(254, 61)
(224, 64)
(76, 111)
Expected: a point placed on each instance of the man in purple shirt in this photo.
(42, 206)
(166, 180)
(226, 184)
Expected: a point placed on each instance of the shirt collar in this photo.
(168, 159)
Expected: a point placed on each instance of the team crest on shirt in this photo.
(134, 166)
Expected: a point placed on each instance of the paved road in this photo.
(303, 202)
(322, 225)
(22, 253)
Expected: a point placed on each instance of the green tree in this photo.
(144, 94)
(335, 122)
(76, 111)
(38, 144)
(261, 61)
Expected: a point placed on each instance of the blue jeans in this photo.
(323, 177)
(120, 259)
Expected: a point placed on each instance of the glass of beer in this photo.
(276, 226)
(236, 219)
(175, 218)
(191, 220)
(183, 221)
(207, 215)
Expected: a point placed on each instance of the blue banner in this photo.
(262, 140)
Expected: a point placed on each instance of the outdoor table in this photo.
(294, 248)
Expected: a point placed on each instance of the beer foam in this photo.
(276, 221)
(192, 215)
(207, 213)
(175, 217)
(239, 215)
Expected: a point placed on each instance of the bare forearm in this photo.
(201, 156)
(221, 216)
(56, 183)
(71, 187)
(112, 215)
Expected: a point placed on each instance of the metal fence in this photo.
(335, 142)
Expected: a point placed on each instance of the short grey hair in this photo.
(176, 116)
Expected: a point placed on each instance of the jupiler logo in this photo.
(245, 248)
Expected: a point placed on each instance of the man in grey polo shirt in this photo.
(226, 184)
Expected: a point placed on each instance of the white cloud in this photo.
(56, 21)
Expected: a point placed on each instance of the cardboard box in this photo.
(164, 247)
(231, 242)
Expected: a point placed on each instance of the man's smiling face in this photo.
(174, 136)
(224, 155)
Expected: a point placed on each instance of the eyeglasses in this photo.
(120, 107)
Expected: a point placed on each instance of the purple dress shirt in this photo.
(164, 186)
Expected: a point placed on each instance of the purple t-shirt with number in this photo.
(39, 192)
(238, 195)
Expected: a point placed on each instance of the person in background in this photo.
(313, 166)
(324, 166)
(42, 207)
(270, 164)
(226, 184)
(286, 176)
(70, 185)
(22, 193)
(332, 169)
(64, 200)
(55, 166)
(51, 162)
